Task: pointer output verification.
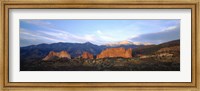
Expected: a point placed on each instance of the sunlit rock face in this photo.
(116, 52)
(62, 54)
(128, 53)
(87, 55)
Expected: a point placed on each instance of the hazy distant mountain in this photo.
(126, 42)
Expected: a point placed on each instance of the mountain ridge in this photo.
(33, 52)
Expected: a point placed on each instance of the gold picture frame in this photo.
(154, 86)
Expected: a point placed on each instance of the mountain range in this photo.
(37, 52)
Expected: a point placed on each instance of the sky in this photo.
(99, 32)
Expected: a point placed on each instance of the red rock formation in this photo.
(62, 54)
(51, 54)
(128, 53)
(87, 55)
(116, 52)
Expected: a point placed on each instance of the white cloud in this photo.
(52, 33)
(99, 32)
(169, 34)
(89, 37)
(170, 28)
(25, 34)
(54, 36)
(104, 37)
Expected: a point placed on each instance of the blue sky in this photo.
(33, 32)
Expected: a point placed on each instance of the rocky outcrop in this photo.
(87, 55)
(116, 52)
(62, 54)
(169, 49)
(168, 54)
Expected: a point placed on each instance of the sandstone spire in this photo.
(62, 54)
(87, 55)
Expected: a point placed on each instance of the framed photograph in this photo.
(111, 45)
